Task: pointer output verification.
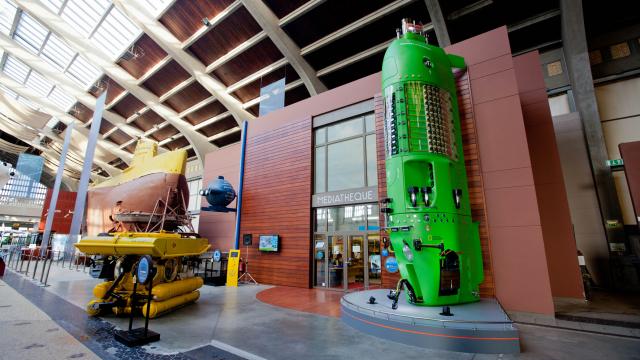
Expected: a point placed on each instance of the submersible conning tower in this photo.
(427, 209)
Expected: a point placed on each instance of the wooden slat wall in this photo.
(472, 162)
(277, 200)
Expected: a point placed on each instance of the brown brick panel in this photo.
(277, 200)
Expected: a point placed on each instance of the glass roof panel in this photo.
(85, 14)
(83, 72)
(28, 103)
(63, 100)
(30, 33)
(16, 69)
(8, 91)
(54, 5)
(157, 6)
(115, 33)
(7, 13)
(57, 53)
(39, 84)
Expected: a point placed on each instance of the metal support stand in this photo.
(140, 336)
(249, 278)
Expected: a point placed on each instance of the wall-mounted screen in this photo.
(269, 243)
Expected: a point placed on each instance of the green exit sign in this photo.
(615, 162)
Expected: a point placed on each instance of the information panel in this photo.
(232, 267)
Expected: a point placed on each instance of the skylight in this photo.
(84, 15)
(61, 99)
(7, 14)
(115, 33)
(83, 72)
(16, 69)
(10, 93)
(30, 33)
(157, 6)
(39, 84)
(57, 53)
(54, 5)
(23, 74)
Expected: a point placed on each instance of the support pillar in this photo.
(439, 24)
(56, 190)
(576, 52)
(78, 212)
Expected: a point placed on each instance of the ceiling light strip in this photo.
(355, 25)
(308, 6)
(236, 51)
(197, 106)
(176, 89)
(211, 120)
(257, 75)
(154, 69)
(224, 133)
(355, 58)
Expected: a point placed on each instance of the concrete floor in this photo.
(604, 307)
(230, 323)
(28, 333)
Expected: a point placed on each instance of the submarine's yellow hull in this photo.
(167, 250)
(157, 245)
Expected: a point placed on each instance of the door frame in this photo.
(345, 273)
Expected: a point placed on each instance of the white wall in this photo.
(619, 106)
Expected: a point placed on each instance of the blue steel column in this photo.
(78, 211)
(56, 188)
(243, 141)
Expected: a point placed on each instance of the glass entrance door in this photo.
(320, 260)
(356, 262)
(336, 261)
(346, 261)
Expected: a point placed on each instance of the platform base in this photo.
(481, 327)
(136, 337)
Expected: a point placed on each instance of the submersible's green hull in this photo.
(435, 241)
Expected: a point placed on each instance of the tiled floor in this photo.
(314, 301)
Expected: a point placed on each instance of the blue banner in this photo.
(30, 167)
(272, 97)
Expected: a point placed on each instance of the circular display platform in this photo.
(481, 327)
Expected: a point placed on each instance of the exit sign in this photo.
(615, 162)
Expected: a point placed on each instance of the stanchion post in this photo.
(47, 276)
(26, 272)
(35, 266)
(44, 265)
(21, 260)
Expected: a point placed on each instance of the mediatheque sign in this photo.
(353, 196)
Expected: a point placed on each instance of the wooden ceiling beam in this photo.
(270, 25)
(136, 11)
(101, 60)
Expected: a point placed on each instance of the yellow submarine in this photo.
(143, 211)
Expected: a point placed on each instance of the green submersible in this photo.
(436, 243)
